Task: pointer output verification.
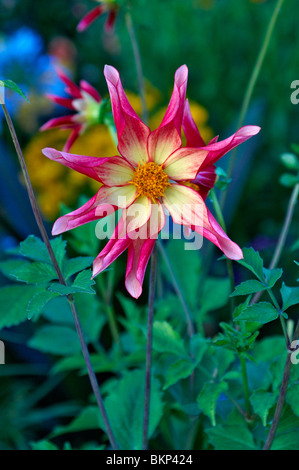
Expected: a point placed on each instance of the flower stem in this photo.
(150, 319)
(283, 234)
(252, 82)
(138, 63)
(178, 290)
(282, 395)
(39, 221)
(245, 386)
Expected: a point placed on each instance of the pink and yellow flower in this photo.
(153, 173)
(106, 6)
(85, 101)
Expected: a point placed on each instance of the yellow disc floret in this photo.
(150, 180)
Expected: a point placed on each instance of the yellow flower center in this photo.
(150, 180)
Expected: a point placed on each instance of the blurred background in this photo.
(219, 40)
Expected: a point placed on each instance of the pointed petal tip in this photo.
(181, 75)
(111, 74)
(134, 287)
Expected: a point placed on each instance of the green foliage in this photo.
(14, 87)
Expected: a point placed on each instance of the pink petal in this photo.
(213, 232)
(58, 122)
(218, 149)
(191, 132)
(110, 22)
(85, 165)
(91, 17)
(90, 90)
(138, 213)
(131, 131)
(205, 179)
(183, 164)
(185, 205)
(72, 88)
(66, 102)
(167, 138)
(116, 171)
(139, 253)
(72, 138)
(92, 210)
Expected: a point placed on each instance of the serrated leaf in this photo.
(253, 262)
(38, 302)
(228, 437)
(262, 312)
(14, 87)
(74, 265)
(35, 249)
(7, 267)
(272, 276)
(82, 283)
(289, 295)
(34, 273)
(207, 399)
(262, 402)
(125, 408)
(178, 370)
(16, 299)
(60, 340)
(248, 287)
(167, 340)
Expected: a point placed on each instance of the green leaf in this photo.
(290, 296)
(228, 437)
(253, 262)
(167, 340)
(262, 312)
(82, 283)
(16, 299)
(125, 407)
(262, 402)
(34, 273)
(215, 294)
(178, 370)
(74, 265)
(43, 445)
(272, 276)
(248, 287)
(88, 419)
(38, 302)
(290, 161)
(207, 399)
(35, 249)
(289, 180)
(14, 87)
(198, 346)
(60, 340)
(7, 267)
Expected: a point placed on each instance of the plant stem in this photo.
(39, 221)
(151, 300)
(178, 290)
(252, 82)
(245, 386)
(138, 63)
(283, 234)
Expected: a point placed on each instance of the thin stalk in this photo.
(178, 290)
(138, 63)
(283, 234)
(252, 82)
(245, 386)
(39, 221)
(148, 367)
(282, 320)
(109, 311)
(282, 395)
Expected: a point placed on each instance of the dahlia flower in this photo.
(85, 101)
(152, 173)
(109, 6)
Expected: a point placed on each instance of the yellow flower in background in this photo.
(152, 98)
(54, 183)
(200, 115)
